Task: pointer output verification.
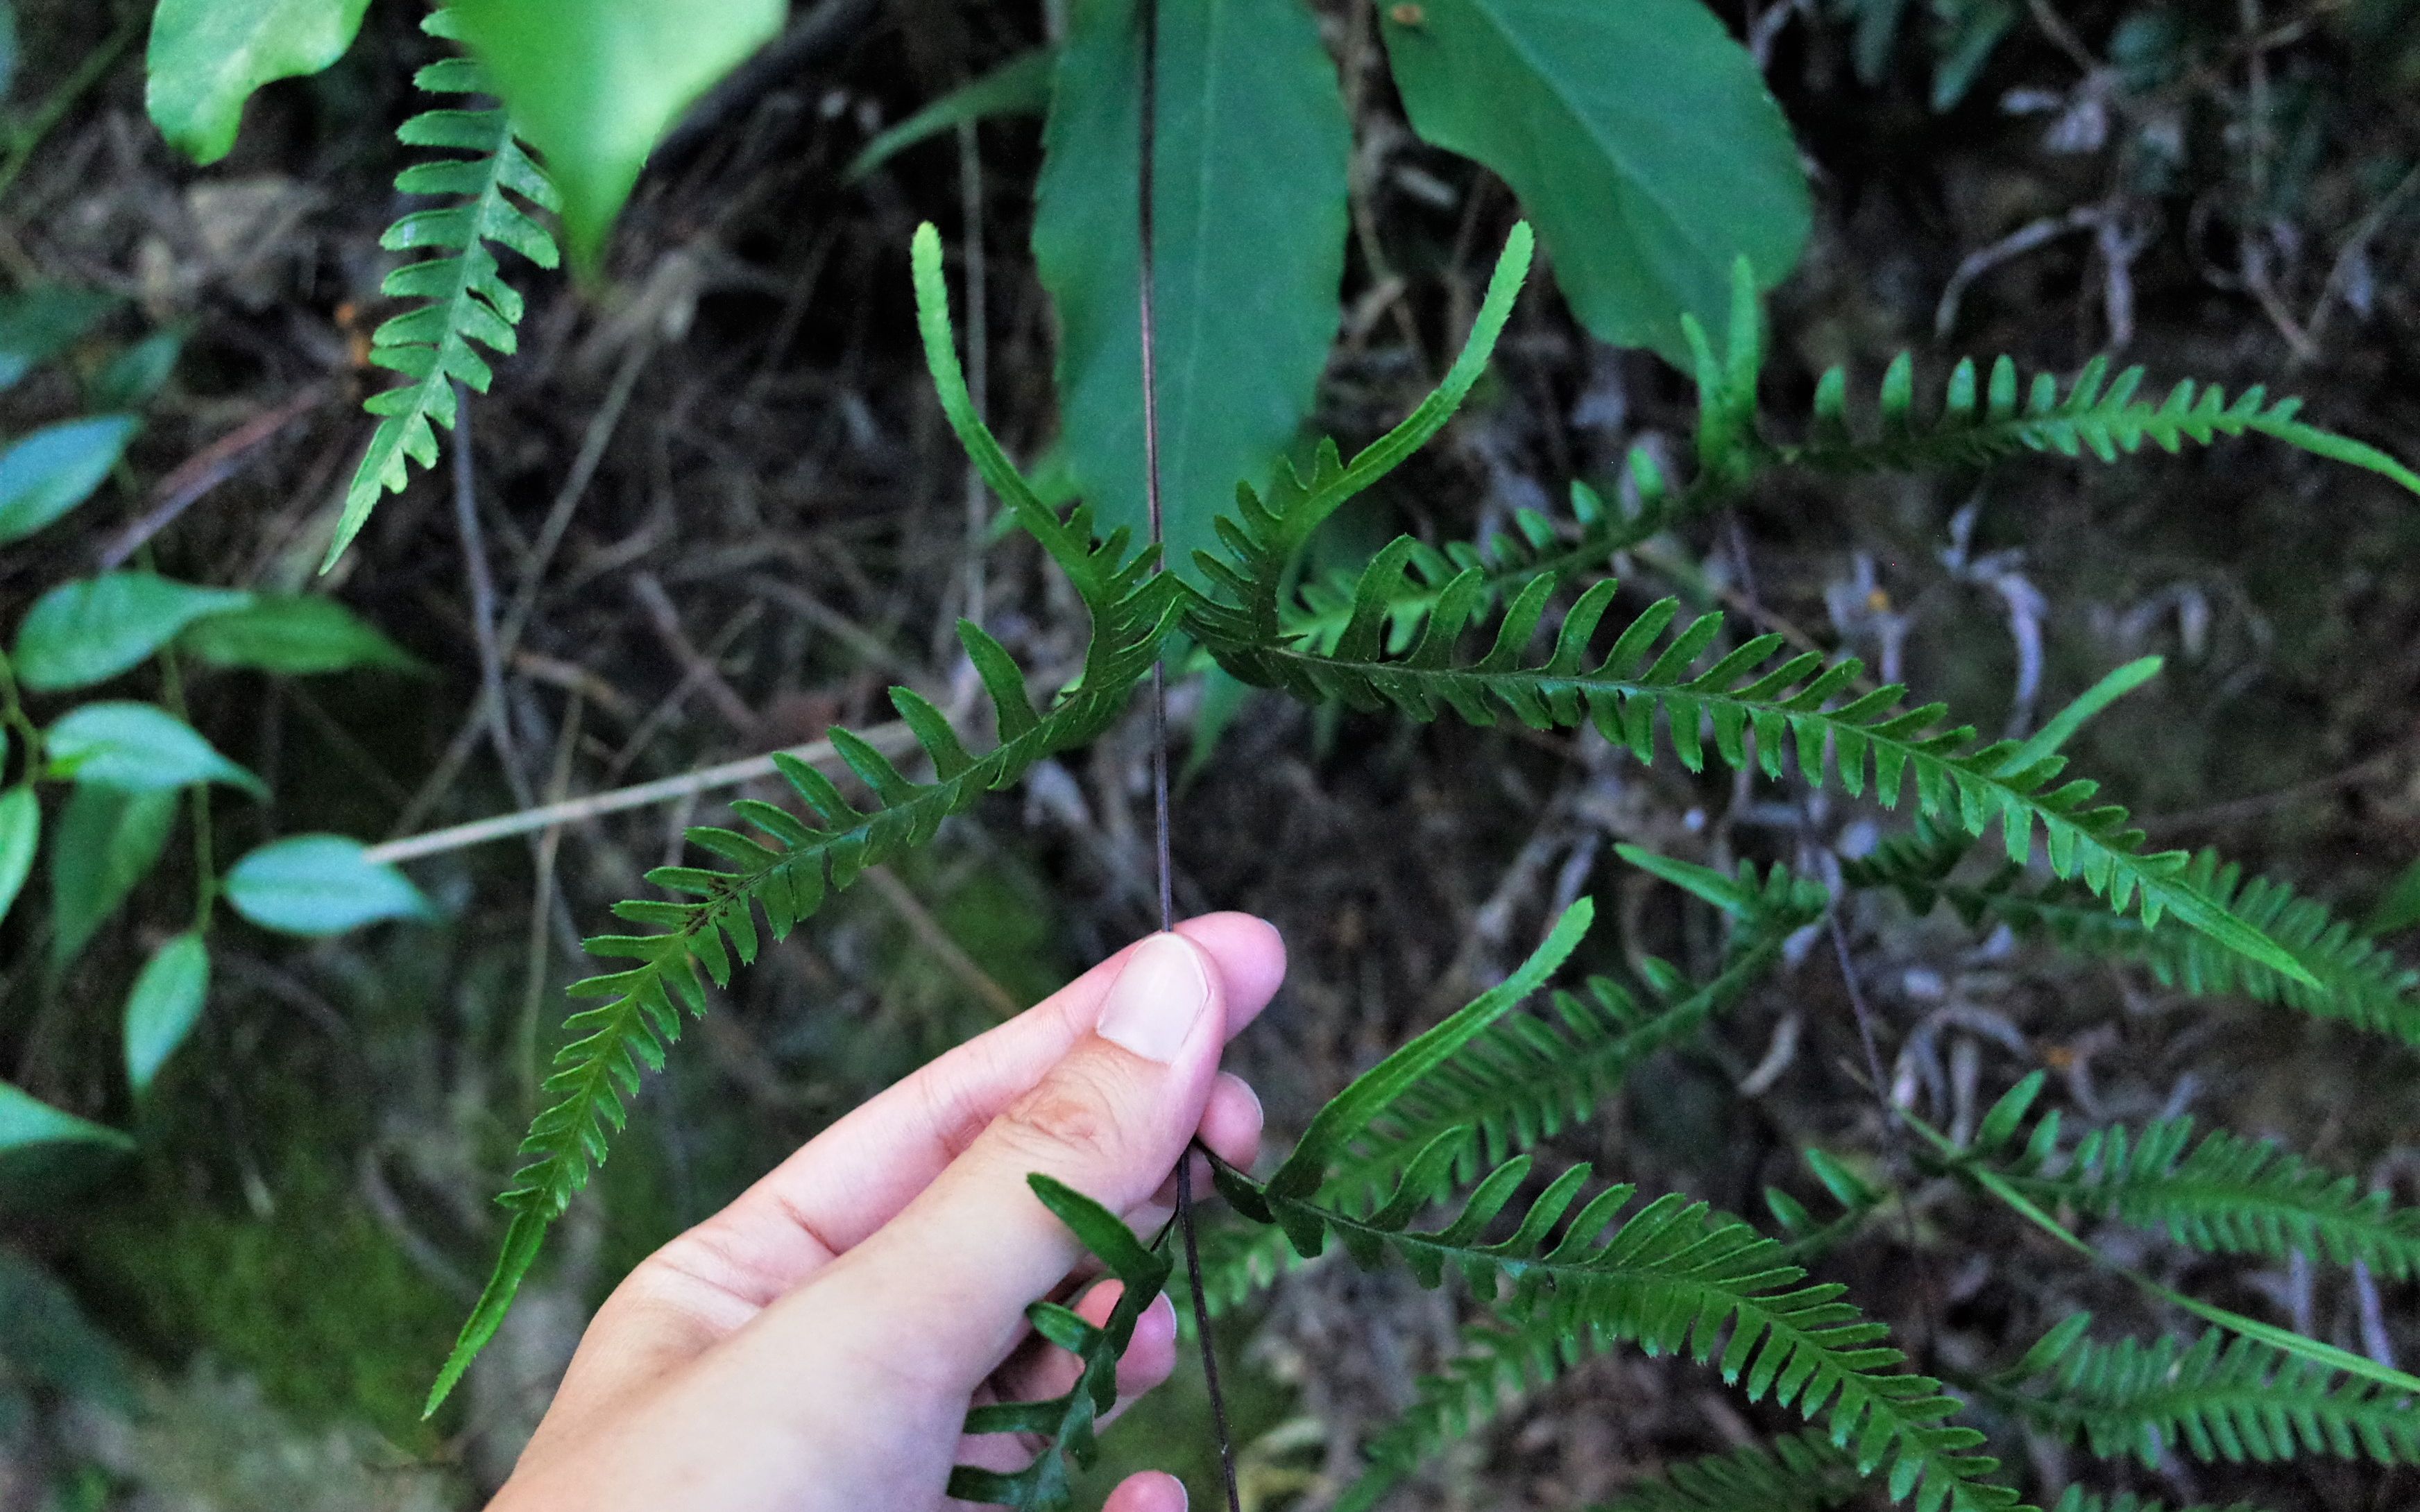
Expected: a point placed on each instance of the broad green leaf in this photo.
(107, 841)
(53, 469)
(1251, 165)
(138, 747)
(595, 86)
(304, 633)
(20, 833)
(1020, 86)
(9, 56)
(320, 885)
(44, 322)
(206, 57)
(130, 379)
(2400, 908)
(1639, 136)
(90, 630)
(165, 1005)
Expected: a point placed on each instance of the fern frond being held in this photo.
(1066, 1422)
(463, 301)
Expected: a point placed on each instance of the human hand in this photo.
(815, 1345)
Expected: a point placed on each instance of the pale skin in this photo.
(815, 1345)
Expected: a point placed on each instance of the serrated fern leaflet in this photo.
(462, 301)
(1794, 706)
(1065, 1424)
(2215, 1399)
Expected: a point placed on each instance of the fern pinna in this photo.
(2353, 977)
(461, 296)
(2217, 1398)
(2224, 1195)
(1449, 1120)
(1674, 1278)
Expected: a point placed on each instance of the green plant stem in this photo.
(12, 713)
(53, 109)
(206, 871)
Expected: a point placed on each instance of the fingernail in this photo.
(1160, 992)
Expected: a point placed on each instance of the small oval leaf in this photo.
(21, 831)
(46, 1153)
(44, 322)
(107, 841)
(26, 1120)
(90, 630)
(138, 747)
(164, 1006)
(53, 469)
(296, 636)
(315, 885)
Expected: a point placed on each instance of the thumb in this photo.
(948, 1280)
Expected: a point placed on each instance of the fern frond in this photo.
(2214, 1399)
(1528, 1076)
(2079, 1499)
(462, 301)
(1265, 535)
(1673, 1278)
(1066, 1422)
(1801, 1473)
(786, 874)
(1793, 706)
(1535, 546)
(2224, 1196)
(1985, 418)
(1519, 1081)
(2357, 979)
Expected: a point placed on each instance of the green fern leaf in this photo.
(2224, 1196)
(1794, 706)
(786, 874)
(1067, 1423)
(1985, 421)
(1521, 1080)
(1674, 1278)
(2079, 1499)
(1801, 1473)
(462, 301)
(2214, 1399)
(2352, 978)
(1266, 535)
(1375, 1093)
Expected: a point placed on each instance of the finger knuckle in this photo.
(1064, 1118)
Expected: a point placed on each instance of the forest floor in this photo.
(719, 488)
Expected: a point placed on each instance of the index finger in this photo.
(855, 1175)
